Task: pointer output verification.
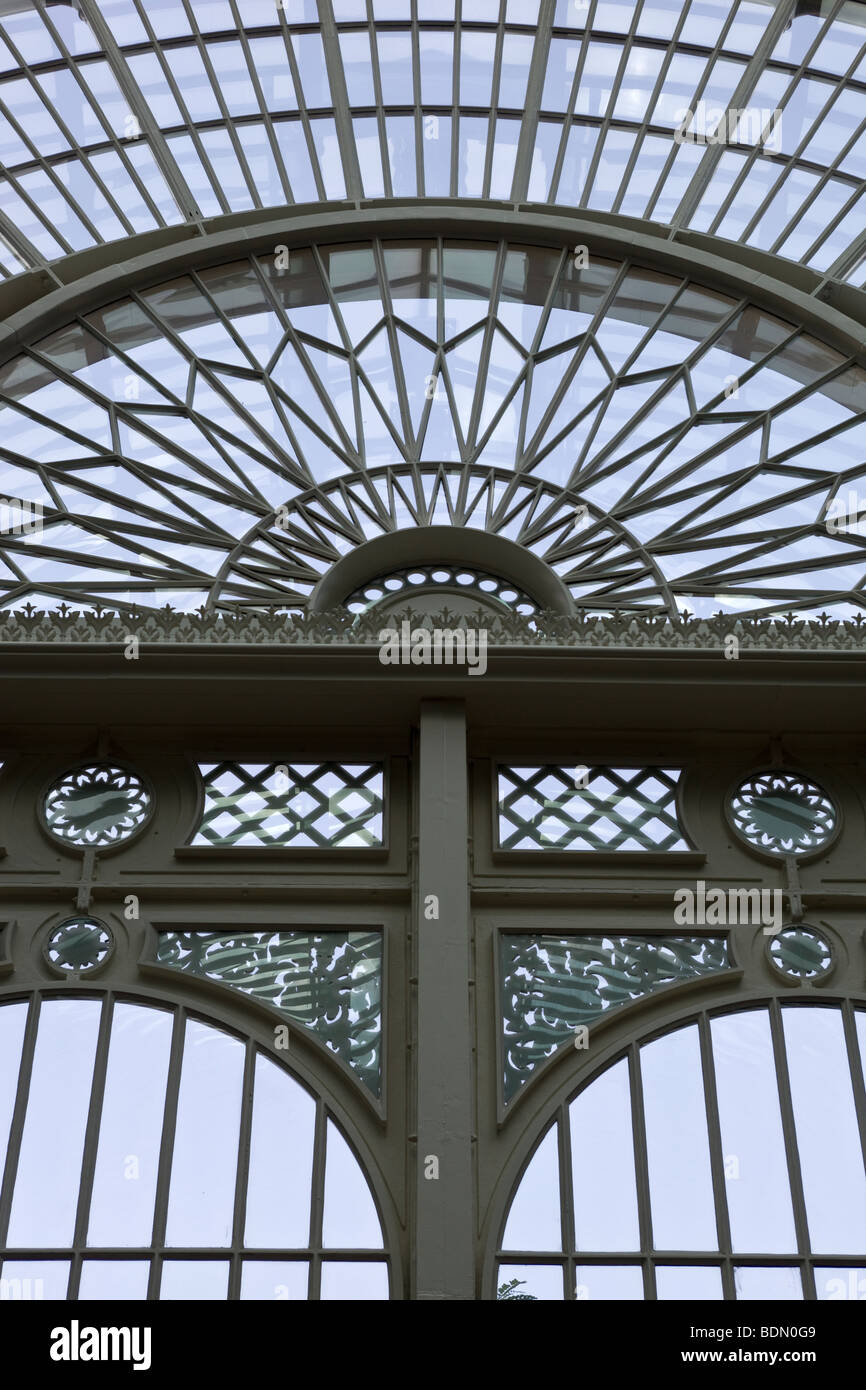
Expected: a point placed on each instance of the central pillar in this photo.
(444, 1186)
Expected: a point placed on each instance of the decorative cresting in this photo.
(330, 981)
(97, 804)
(79, 946)
(800, 952)
(224, 439)
(170, 630)
(148, 118)
(315, 805)
(582, 808)
(549, 986)
(722, 1159)
(443, 581)
(780, 812)
(145, 1153)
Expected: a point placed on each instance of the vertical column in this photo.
(445, 1209)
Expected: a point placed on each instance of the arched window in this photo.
(722, 1159)
(650, 442)
(150, 1154)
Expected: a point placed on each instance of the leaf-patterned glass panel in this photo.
(331, 982)
(310, 805)
(551, 985)
(589, 808)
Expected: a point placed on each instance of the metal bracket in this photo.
(794, 891)
(85, 885)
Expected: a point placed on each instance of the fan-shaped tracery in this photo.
(598, 561)
(224, 438)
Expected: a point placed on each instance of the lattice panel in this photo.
(315, 805)
(331, 982)
(598, 808)
(551, 985)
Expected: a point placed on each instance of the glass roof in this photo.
(225, 437)
(119, 116)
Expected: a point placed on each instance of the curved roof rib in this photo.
(118, 117)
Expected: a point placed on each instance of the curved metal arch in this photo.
(442, 544)
(459, 543)
(703, 581)
(34, 305)
(311, 1062)
(629, 1028)
(541, 27)
(213, 1009)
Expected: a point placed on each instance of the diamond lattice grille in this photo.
(597, 808)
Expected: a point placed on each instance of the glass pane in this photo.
(608, 1281)
(350, 1217)
(753, 1146)
(204, 1164)
(23, 1280)
(602, 1155)
(534, 1220)
(772, 1283)
(274, 1279)
(543, 1282)
(344, 1280)
(688, 1282)
(281, 1160)
(194, 1279)
(49, 1166)
(12, 1020)
(110, 1279)
(834, 1284)
(678, 1153)
(860, 1023)
(828, 1140)
(130, 1132)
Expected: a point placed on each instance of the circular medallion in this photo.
(79, 946)
(801, 953)
(96, 804)
(783, 813)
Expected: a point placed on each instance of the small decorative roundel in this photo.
(783, 813)
(801, 953)
(445, 577)
(79, 945)
(97, 804)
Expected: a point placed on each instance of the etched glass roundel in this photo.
(79, 945)
(97, 804)
(801, 953)
(783, 813)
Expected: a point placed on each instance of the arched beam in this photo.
(34, 304)
(442, 545)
